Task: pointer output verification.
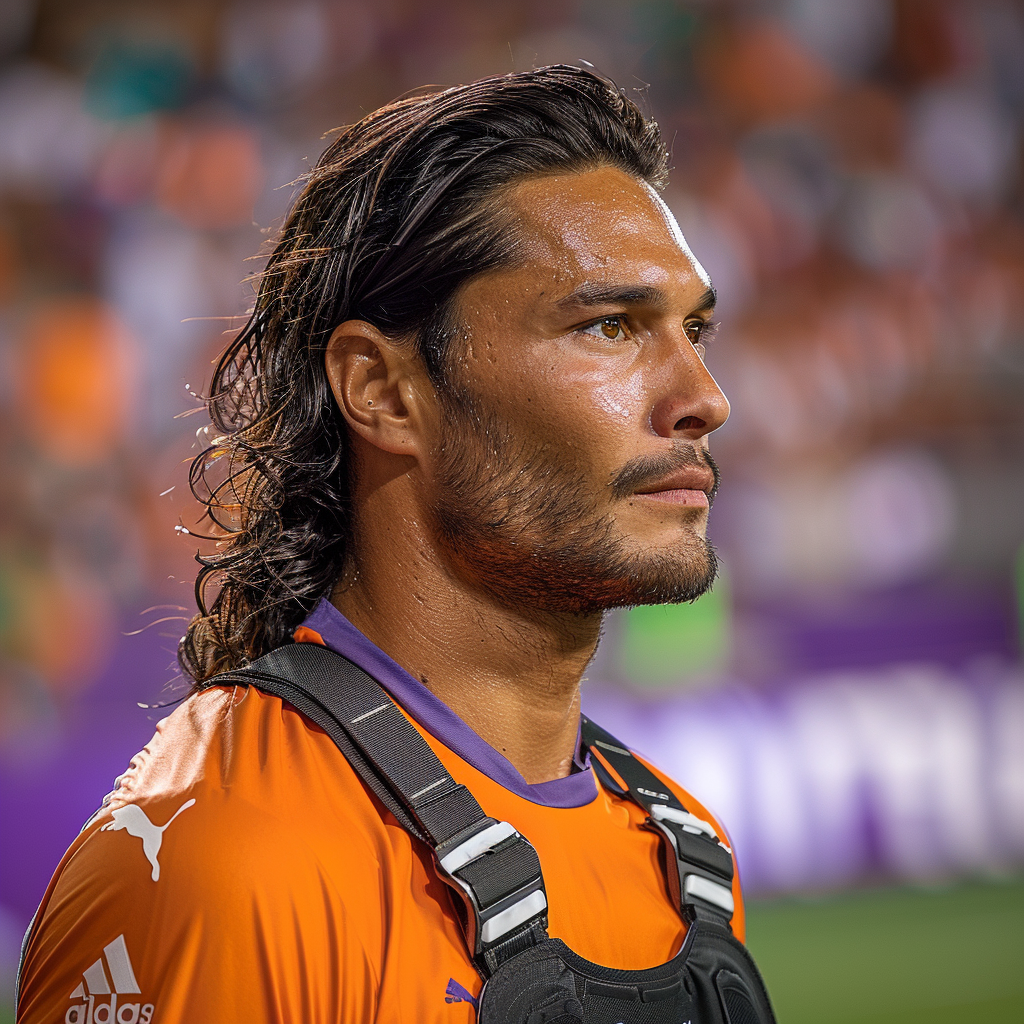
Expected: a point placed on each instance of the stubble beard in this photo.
(512, 512)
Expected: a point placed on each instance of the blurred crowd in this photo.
(849, 171)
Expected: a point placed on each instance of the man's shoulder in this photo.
(232, 781)
(251, 751)
(238, 828)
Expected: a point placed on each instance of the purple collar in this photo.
(440, 721)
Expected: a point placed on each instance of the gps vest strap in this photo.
(704, 872)
(490, 865)
(530, 978)
(493, 868)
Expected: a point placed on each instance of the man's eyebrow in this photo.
(613, 295)
(629, 295)
(707, 300)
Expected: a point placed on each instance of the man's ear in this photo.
(380, 386)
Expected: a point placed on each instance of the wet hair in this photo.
(400, 211)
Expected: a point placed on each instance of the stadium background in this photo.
(851, 697)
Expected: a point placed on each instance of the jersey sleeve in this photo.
(195, 909)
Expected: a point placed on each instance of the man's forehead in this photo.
(600, 220)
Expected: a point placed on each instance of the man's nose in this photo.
(692, 404)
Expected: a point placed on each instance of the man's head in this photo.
(505, 305)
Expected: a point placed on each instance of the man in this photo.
(469, 414)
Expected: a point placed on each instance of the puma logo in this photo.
(133, 819)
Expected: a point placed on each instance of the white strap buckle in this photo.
(689, 822)
(511, 917)
(711, 892)
(476, 846)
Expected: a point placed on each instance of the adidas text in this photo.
(105, 993)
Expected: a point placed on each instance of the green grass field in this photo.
(895, 956)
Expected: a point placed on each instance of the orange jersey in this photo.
(242, 871)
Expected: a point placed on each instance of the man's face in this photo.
(571, 471)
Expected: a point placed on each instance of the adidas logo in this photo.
(103, 985)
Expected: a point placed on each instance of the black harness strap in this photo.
(403, 764)
(704, 876)
(319, 715)
(493, 868)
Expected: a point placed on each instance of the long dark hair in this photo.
(400, 211)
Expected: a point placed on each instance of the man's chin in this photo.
(666, 585)
(661, 580)
(557, 583)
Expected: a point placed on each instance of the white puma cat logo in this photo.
(133, 818)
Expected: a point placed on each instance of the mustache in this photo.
(647, 469)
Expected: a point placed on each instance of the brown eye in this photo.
(610, 327)
(697, 332)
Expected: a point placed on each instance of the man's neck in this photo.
(511, 675)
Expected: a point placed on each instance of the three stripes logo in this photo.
(100, 995)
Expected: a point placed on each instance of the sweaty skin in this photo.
(590, 343)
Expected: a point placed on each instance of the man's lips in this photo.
(689, 486)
